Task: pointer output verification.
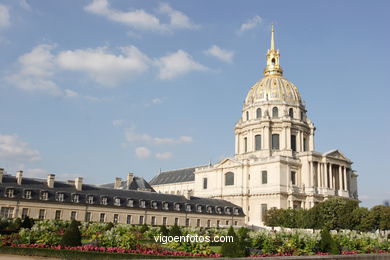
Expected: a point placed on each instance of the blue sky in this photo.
(101, 88)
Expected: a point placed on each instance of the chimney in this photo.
(19, 177)
(78, 183)
(187, 194)
(50, 180)
(1, 175)
(118, 183)
(130, 178)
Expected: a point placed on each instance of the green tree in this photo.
(244, 240)
(27, 222)
(327, 243)
(232, 249)
(72, 235)
(164, 231)
(175, 230)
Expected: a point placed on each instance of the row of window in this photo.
(10, 193)
(274, 143)
(7, 212)
(229, 178)
(275, 113)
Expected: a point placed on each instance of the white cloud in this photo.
(4, 16)
(164, 156)
(15, 149)
(250, 23)
(42, 174)
(157, 101)
(132, 136)
(219, 53)
(177, 64)
(102, 66)
(26, 6)
(142, 152)
(140, 19)
(118, 122)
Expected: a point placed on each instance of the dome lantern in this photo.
(273, 66)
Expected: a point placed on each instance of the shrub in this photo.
(164, 231)
(175, 230)
(72, 235)
(232, 249)
(327, 243)
(27, 223)
(144, 228)
(109, 226)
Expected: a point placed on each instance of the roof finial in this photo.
(272, 38)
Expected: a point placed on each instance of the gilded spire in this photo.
(272, 38)
(273, 67)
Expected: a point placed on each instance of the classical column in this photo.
(237, 144)
(345, 179)
(288, 138)
(340, 177)
(267, 145)
(330, 176)
(326, 175)
(311, 174)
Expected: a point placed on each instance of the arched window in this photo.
(247, 115)
(258, 113)
(257, 142)
(291, 113)
(273, 61)
(275, 112)
(229, 178)
(275, 142)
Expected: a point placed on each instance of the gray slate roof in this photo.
(138, 183)
(37, 186)
(175, 176)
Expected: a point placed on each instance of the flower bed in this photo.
(117, 250)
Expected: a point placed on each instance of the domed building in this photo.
(275, 162)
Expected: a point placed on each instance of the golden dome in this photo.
(273, 88)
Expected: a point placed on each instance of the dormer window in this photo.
(188, 207)
(90, 199)
(154, 205)
(27, 194)
(117, 202)
(165, 206)
(45, 195)
(142, 204)
(199, 208)
(209, 209)
(177, 206)
(236, 211)
(228, 211)
(60, 197)
(104, 201)
(130, 203)
(10, 193)
(76, 198)
(219, 210)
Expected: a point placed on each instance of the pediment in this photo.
(337, 155)
(227, 162)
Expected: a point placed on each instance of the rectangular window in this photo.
(257, 142)
(218, 223)
(304, 145)
(198, 222)
(128, 219)
(57, 215)
(90, 199)
(164, 221)
(187, 222)
(204, 183)
(10, 193)
(27, 194)
(245, 144)
(176, 221)
(264, 177)
(208, 223)
(102, 217)
(141, 220)
(7, 212)
(45, 195)
(41, 214)
(88, 216)
(116, 218)
(24, 213)
(153, 221)
(263, 211)
(293, 143)
(235, 223)
(104, 201)
(60, 197)
(227, 222)
(275, 142)
(293, 178)
(73, 215)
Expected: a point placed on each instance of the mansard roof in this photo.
(174, 176)
(152, 200)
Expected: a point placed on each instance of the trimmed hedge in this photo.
(75, 254)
